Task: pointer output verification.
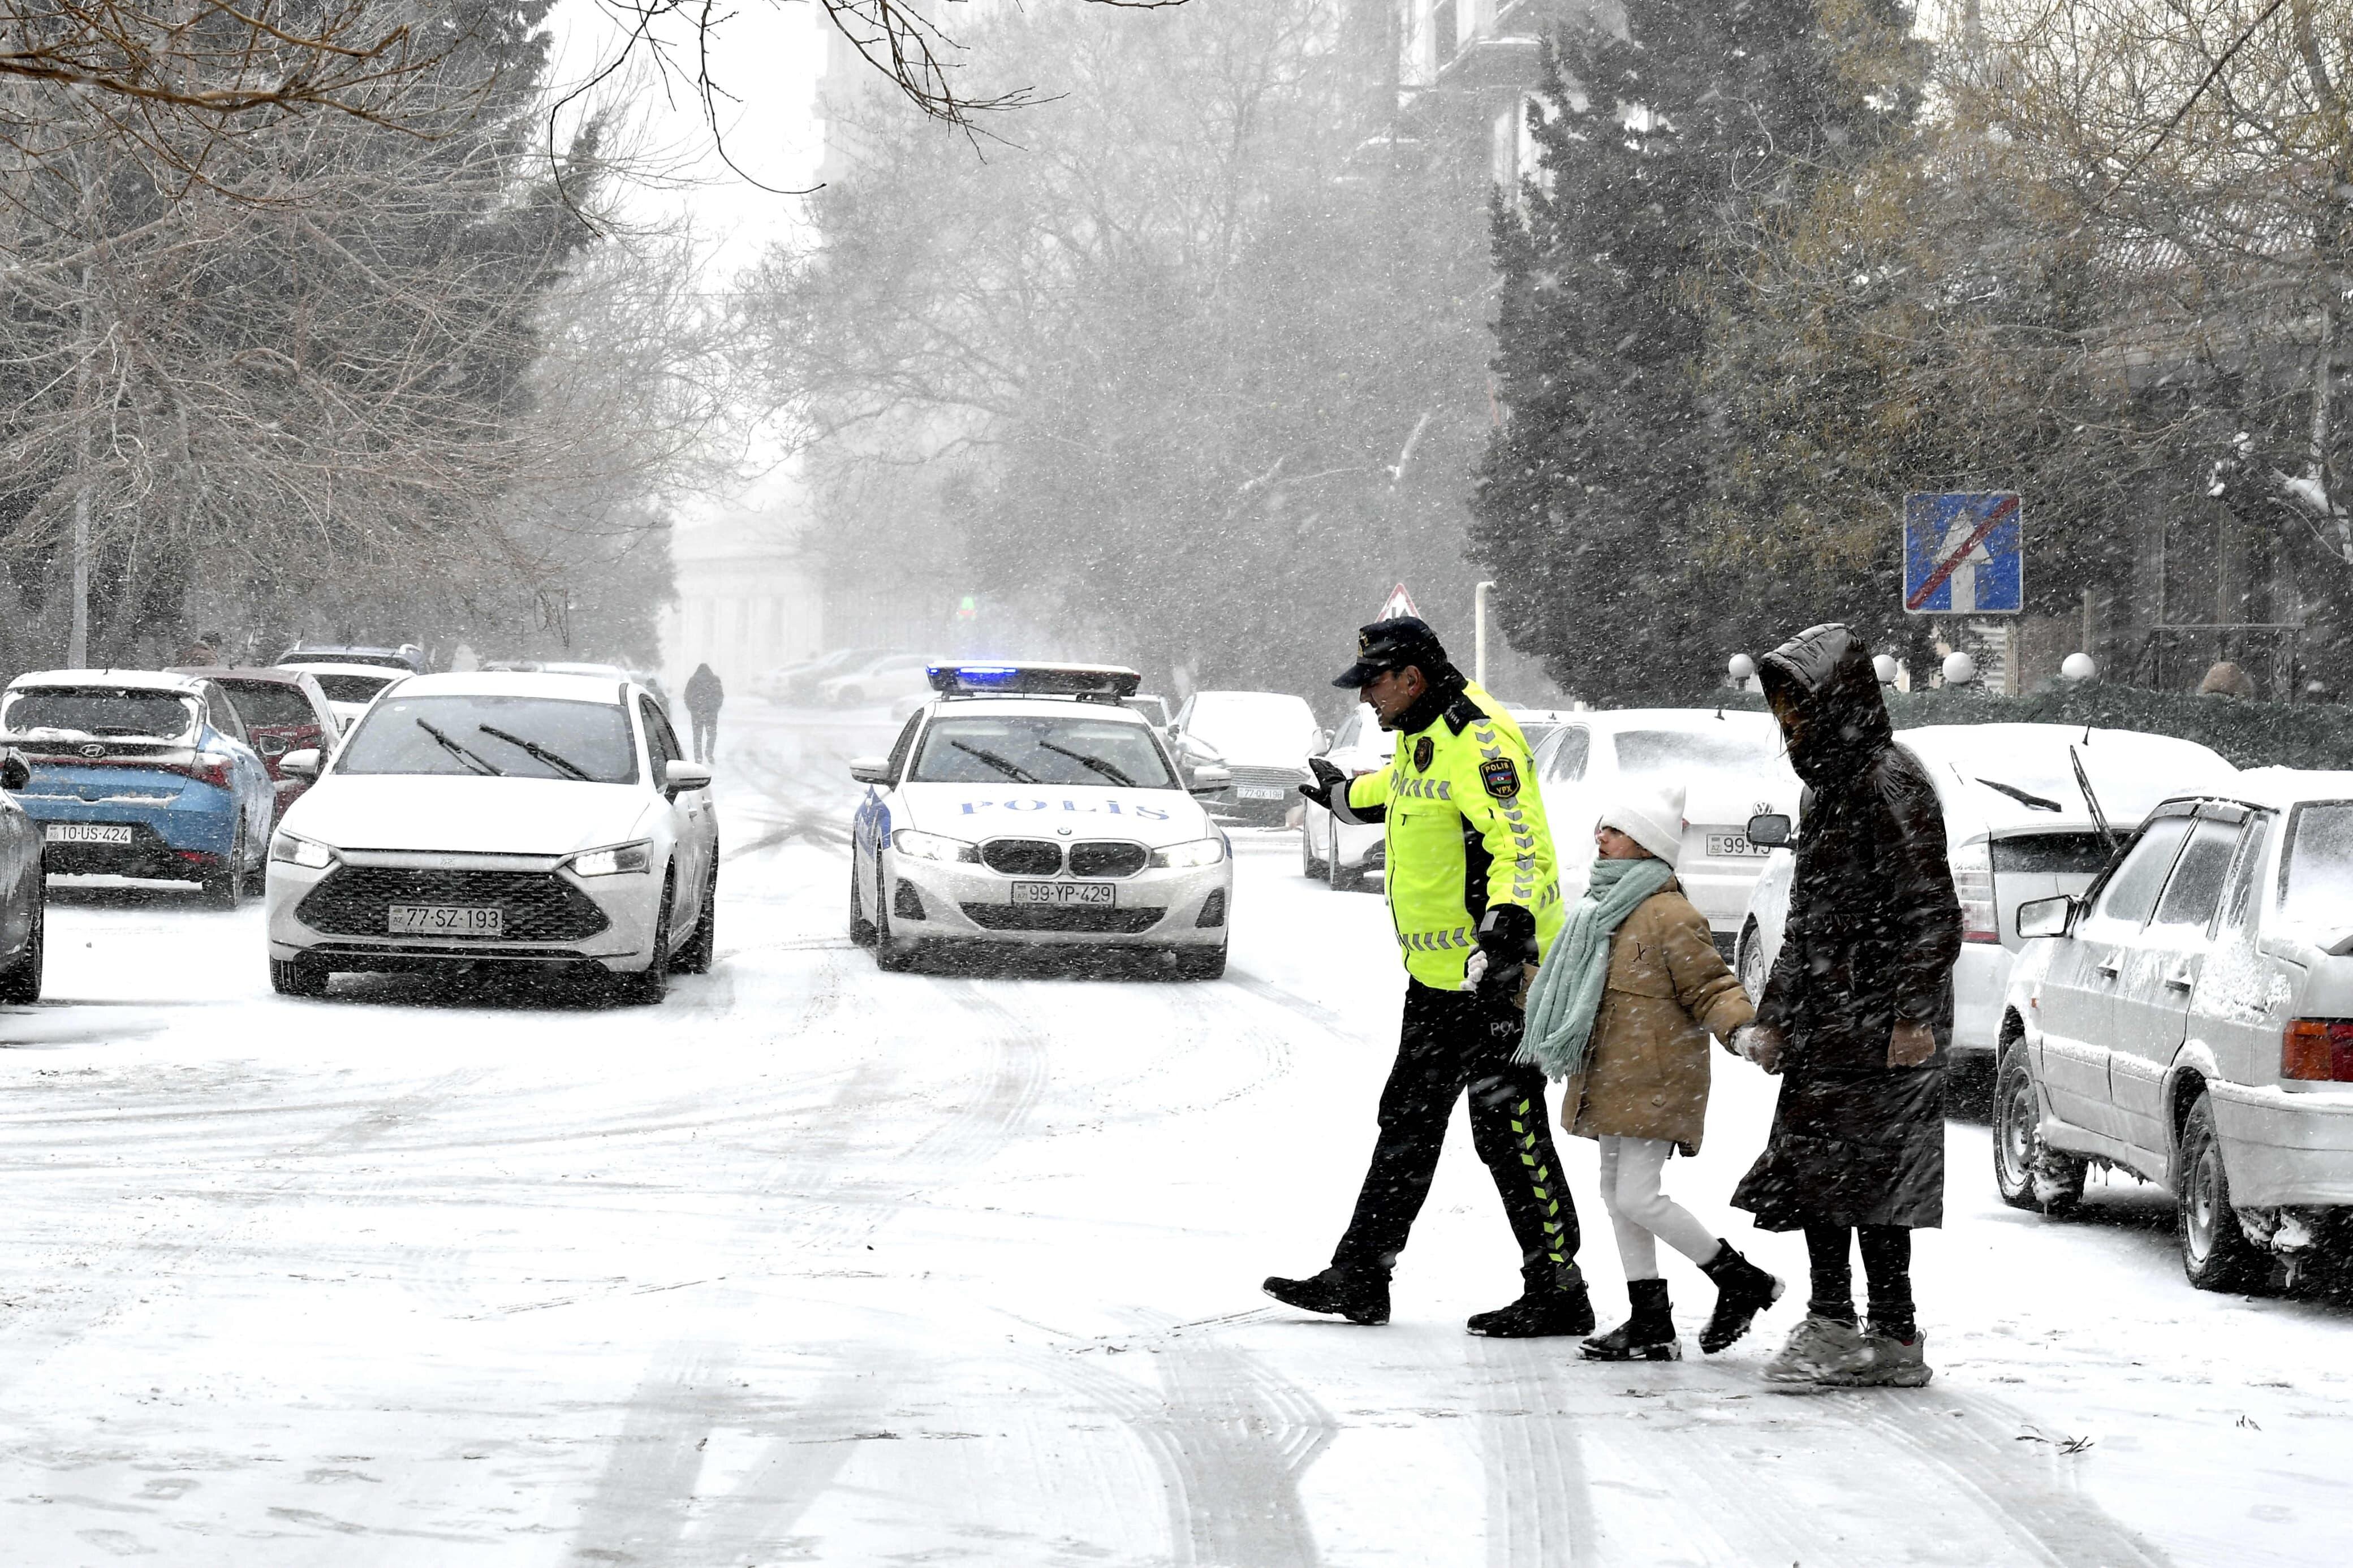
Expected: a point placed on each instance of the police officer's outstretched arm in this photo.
(1363, 800)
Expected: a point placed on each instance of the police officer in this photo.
(1473, 893)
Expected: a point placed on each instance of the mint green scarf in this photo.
(1566, 994)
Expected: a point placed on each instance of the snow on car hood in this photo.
(1719, 802)
(975, 812)
(466, 815)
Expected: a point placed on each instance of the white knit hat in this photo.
(1653, 820)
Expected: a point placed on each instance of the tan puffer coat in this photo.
(1646, 1072)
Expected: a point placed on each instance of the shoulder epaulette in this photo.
(1461, 713)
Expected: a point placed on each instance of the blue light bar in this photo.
(1099, 682)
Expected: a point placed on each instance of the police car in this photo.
(1023, 805)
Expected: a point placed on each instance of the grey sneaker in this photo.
(1818, 1349)
(1886, 1364)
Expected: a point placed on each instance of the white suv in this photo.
(2191, 1021)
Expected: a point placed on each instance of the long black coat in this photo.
(704, 693)
(1873, 929)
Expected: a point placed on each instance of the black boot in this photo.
(1546, 1308)
(1649, 1334)
(1742, 1290)
(1359, 1298)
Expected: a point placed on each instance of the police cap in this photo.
(1393, 644)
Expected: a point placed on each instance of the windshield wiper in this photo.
(2038, 802)
(993, 761)
(1084, 760)
(458, 751)
(555, 760)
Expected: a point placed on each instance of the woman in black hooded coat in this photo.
(1856, 1016)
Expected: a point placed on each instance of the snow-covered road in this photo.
(817, 1263)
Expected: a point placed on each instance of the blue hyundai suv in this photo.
(141, 773)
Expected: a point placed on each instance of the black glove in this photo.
(1328, 778)
(1507, 942)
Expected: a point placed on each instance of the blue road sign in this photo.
(1964, 554)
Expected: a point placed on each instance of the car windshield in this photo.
(1649, 754)
(514, 737)
(1048, 749)
(269, 706)
(1245, 724)
(341, 687)
(97, 710)
(2131, 773)
(2317, 876)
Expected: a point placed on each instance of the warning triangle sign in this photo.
(1398, 603)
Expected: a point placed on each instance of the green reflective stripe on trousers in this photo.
(1552, 1227)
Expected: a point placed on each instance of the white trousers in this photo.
(1641, 1213)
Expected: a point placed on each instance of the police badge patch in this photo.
(1502, 779)
(1423, 749)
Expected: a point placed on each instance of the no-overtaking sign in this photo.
(1963, 554)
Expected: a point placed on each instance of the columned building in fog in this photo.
(745, 602)
(1466, 69)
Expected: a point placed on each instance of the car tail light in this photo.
(204, 767)
(2318, 1050)
(1973, 883)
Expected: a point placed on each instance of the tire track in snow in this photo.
(1538, 1510)
(1230, 1436)
(857, 1191)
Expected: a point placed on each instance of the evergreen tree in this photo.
(1656, 152)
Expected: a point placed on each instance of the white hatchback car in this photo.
(1730, 765)
(1026, 806)
(547, 820)
(2018, 828)
(2191, 1020)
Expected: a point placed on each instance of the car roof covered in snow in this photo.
(2281, 787)
(2000, 779)
(514, 683)
(114, 679)
(1615, 719)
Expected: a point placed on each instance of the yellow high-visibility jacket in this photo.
(1464, 830)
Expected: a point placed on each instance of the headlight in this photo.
(917, 846)
(1198, 852)
(637, 856)
(301, 851)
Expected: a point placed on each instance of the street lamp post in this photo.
(1479, 633)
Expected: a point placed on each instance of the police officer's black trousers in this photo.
(1452, 1041)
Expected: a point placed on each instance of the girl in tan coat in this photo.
(1623, 1007)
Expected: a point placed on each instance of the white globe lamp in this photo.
(1741, 669)
(1883, 666)
(2078, 667)
(1959, 669)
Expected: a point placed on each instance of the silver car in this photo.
(2190, 1020)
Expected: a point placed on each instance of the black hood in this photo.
(1840, 721)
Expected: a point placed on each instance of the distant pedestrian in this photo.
(703, 695)
(1622, 1008)
(1856, 1018)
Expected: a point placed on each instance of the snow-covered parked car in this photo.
(2191, 1020)
(506, 819)
(2018, 828)
(1025, 806)
(1261, 739)
(1730, 765)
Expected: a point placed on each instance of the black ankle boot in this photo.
(1359, 1298)
(1544, 1310)
(1742, 1290)
(1649, 1334)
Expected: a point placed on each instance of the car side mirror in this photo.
(302, 764)
(678, 777)
(2046, 917)
(1771, 830)
(1209, 779)
(871, 769)
(14, 771)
